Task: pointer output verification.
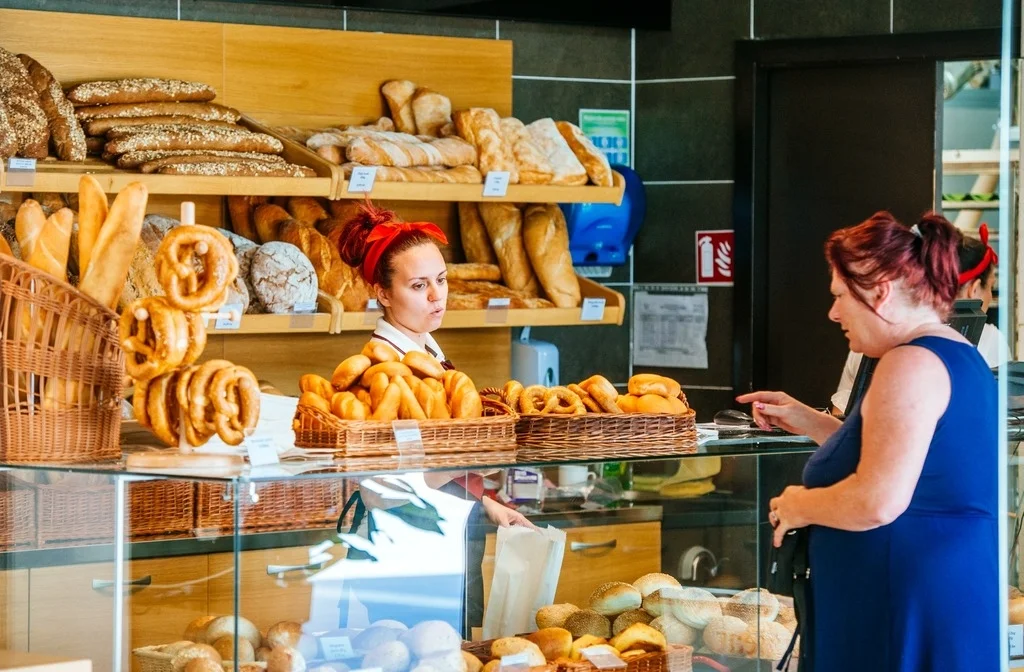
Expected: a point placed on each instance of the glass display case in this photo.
(319, 566)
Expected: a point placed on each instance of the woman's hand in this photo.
(785, 512)
(781, 410)
(502, 516)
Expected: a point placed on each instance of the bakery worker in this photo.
(404, 265)
(977, 278)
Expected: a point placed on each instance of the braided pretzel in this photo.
(187, 288)
(536, 399)
(201, 411)
(195, 436)
(236, 402)
(154, 337)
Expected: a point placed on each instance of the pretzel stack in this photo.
(378, 384)
(164, 336)
(647, 393)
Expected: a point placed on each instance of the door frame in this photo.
(755, 61)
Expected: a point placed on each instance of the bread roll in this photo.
(675, 631)
(389, 657)
(653, 403)
(174, 647)
(614, 598)
(729, 636)
(752, 604)
(432, 638)
(640, 637)
(588, 622)
(196, 630)
(398, 93)
(492, 666)
(285, 633)
(510, 646)
(184, 655)
(202, 665)
(648, 583)
(628, 618)
(504, 222)
(693, 606)
(531, 161)
(224, 626)
(592, 158)
(453, 661)
(430, 111)
(374, 636)
(285, 659)
(1017, 611)
(546, 238)
(584, 642)
(649, 383)
(772, 638)
(567, 168)
(225, 646)
(554, 615)
(473, 663)
(554, 643)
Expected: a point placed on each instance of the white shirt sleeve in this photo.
(842, 396)
(992, 346)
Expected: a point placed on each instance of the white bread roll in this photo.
(202, 665)
(554, 643)
(432, 638)
(224, 626)
(196, 630)
(773, 639)
(752, 604)
(554, 615)
(615, 597)
(226, 648)
(182, 657)
(693, 606)
(285, 633)
(330, 667)
(656, 604)
(385, 623)
(374, 636)
(510, 646)
(729, 636)
(389, 657)
(285, 659)
(675, 631)
(648, 583)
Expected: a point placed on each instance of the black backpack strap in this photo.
(801, 604)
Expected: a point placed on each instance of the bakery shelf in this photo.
(974, 161)
(970, 205)
(614, 311)
(517, 193)
(63, 177)
(327, 320)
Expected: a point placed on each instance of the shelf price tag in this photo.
(1016, 641)
(518, 662)
(497, 310)
(361, 180)
(336, 648)
(303, 315)
(592, 310)
(262, 450)
(602, 658)
(226, 322)
(373, 311)
(496, 183)
(409, 440)
(21, 172)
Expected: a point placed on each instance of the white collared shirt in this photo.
(387, 332)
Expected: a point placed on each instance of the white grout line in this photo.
(344, 19)
(751, 19)
(674, 80)
(179, 10)
(663, 183)
(632, 98)
(585, 80)
(497, 29)
(892, 13)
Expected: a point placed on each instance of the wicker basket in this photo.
(280, 505)
(160, 508)
(605, 435)
(153, 659)
(678, 658)
(350, 438)
(61, 381)
(17, 514)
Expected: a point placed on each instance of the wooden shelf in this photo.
(970, 205)
(517, 193)
(315, 323)
(974, 161)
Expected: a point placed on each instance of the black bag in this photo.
(789, 573)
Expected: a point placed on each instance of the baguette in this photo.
(240, 168)
(398, 93)
(92, 212)
(531, 162)
(104, 124)
(28, 225)
(205, 111)
(50, 252)
(593, 160)
(504, 222)
(482, 128)
(470, 272)
(449, 152)
(475, 241)
(135, 159)
(547, 243)
(5, 248)
(156, 165)
(116, 245)
(221, 139)
(140, 90)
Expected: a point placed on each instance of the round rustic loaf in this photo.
(282, 277)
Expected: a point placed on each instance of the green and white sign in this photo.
(609, 131)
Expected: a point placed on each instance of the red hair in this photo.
(924, 257)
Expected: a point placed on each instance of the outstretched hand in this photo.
(502, 516)
(778, 409)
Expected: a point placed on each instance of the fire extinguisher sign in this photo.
(715, 254)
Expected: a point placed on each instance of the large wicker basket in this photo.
(605, 435)
(62, 375)
(678, 658)
(350, 438)
(17, 514)
(153, 659)
(277, 505)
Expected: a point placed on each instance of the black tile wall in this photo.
(709, 402)
(665, 246)
(928, 15)
(261, 14)
(568, 51)
(820, 18)
(684, 130)
(701, 43)
(418, 24)
(150, 9)
(534, 99)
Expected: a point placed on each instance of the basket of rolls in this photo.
(653, 417)
(352, 413)
(63, 365)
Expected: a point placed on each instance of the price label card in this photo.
(262, 450)
(226, 322)
(1016, 641)
(303, 315)
(362, 179)
(592, 310)
(336, 648)
(603, 659)
(496, 183)
(373, 312)
(408, 438)
(519, 662)
(21, 172)
(497, 310)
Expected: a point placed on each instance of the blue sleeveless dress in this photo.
(921, 593)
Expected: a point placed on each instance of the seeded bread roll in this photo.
(693, 606)
(675, 631)
(205, 111)
(65, 131)
(648, 583)
(729, 636)
(140, 90)
(752, 604)
(614, 598)
(628, 618)
(554, 615)
(588, 622)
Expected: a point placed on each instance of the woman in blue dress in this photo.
(900, 498)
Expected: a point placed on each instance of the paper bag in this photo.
(527, 565)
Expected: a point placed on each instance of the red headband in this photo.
(383, 234)
(987, 260)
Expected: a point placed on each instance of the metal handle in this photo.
(100, 584)
(281, 569)
(580, 546)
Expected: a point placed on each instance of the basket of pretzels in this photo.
(653, 417)
(63, 365)
(352, 414)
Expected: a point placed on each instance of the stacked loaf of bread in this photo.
(171, 126)
(209, 643)
(647, 393)
(751, 623)
(35, 115)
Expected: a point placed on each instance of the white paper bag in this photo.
(527, 565)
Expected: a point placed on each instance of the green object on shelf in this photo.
(955, 197)
(984, 197)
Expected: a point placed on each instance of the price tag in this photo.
(336, 648)
(497, 310)
(227, 322)
(361, 180)
(518, 662)
(1016, 641)
(303, 315)
(262, 450)
(602, 658)
(496, 183)
(373, 312)
(592, 310)
(21, 172)
(408, 438)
